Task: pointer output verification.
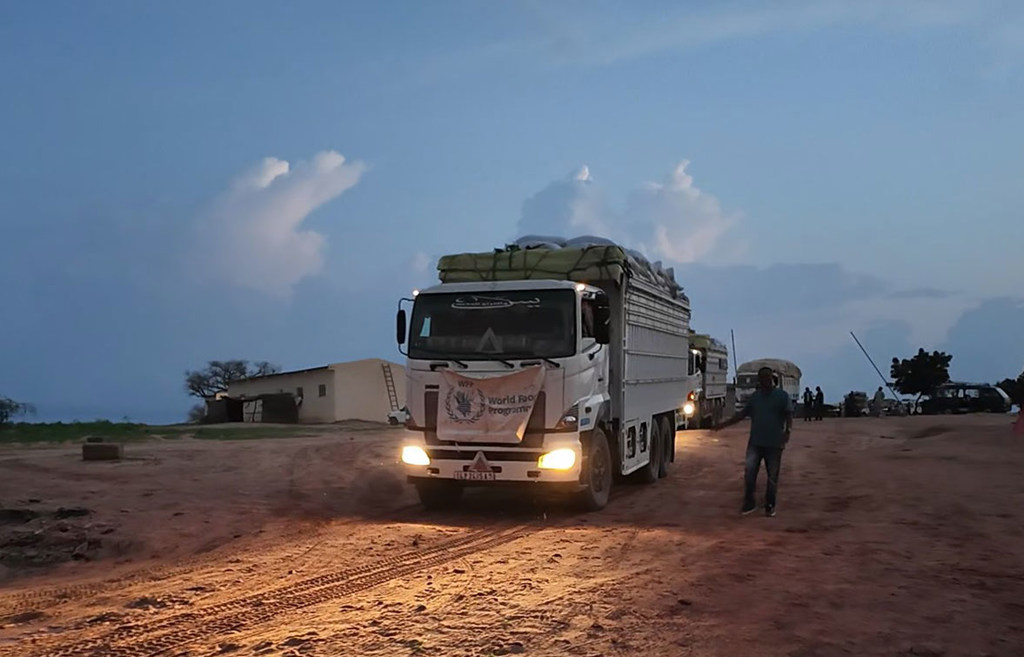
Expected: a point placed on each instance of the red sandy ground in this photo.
(899, 536)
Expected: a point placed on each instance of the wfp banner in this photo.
(490, 410)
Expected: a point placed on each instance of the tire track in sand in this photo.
(157, 636)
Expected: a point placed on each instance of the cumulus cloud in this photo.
(673, 220)
(252, 235)
(570, 206)
(683, 222)
(421, 262)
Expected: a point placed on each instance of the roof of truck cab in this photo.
(705, 341)
(502, 286)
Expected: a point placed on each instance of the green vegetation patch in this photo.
(61, 432)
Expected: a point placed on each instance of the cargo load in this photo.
(583, 260)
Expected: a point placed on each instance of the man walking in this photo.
(819, 404)
(878, 402)
(808, 404)
(771, 421)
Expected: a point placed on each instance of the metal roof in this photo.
(270, 376)
(332, 366)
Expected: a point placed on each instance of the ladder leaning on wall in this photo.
(389, 383)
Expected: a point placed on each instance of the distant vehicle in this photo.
(787, 376)
(855, 404)
(398, 417)
(957, 397)
(709, 362)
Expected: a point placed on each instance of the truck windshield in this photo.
(747, 380)
(486, 326)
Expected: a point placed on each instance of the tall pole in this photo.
(880, 375)
(735, 367)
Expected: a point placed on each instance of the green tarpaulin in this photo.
(587, 264)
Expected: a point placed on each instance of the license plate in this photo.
(475, 476)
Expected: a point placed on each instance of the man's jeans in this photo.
(772, 457)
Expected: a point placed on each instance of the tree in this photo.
(206, 383)
(1014, 388)
(197, 414)
(10, 409)
(922, 374)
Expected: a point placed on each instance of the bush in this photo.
(11, 409)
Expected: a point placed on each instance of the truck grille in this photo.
(469, 453)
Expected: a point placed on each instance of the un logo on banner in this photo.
(465, 404)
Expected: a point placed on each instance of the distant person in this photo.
(878, 402)
(808, 404)
(819, 404)
(771, 420)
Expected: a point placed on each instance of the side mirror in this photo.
(602, 325)
(401, 326)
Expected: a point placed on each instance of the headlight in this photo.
(559, 459)
(688, 408)
(413, 455)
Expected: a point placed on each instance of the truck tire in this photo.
(648, 474)
(668, 442)
(438, 494)
(597, 473)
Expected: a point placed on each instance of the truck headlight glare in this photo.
(414, 455)
(688, 408)
(559, 459)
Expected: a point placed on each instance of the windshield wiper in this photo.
(529, 360)
(441, 355)
(506, 363)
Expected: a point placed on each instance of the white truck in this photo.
(546, 363)
(709, 363)
(787, 376)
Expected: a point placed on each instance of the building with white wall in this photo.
(356, 390)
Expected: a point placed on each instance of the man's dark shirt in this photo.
(767, 412)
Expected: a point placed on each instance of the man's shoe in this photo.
(769, 511)
(748, 508)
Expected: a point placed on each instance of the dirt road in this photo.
(894, 537)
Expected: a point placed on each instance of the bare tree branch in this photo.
(219, 374)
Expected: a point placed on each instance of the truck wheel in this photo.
(668, 443)
(438, 494)
(597, 473)
(649, 473)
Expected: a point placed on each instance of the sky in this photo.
(188, 181)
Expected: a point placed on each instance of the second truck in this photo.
(709, 364)
(563, 365)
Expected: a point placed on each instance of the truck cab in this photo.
(709, 365)
(486, 331)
